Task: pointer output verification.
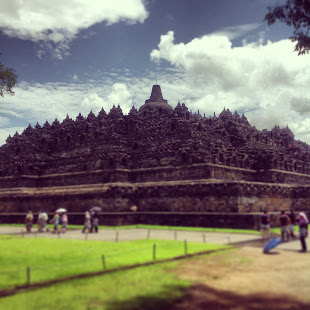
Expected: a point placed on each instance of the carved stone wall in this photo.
(158, 158)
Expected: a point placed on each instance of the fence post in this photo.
(175, 235)
(103, 263)
(28, 275)
(204, 238)
(185, 247)
(148, 234)
(154, 251)
(116, 236)
(228, 240)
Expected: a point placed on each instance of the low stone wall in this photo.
(189, 219)
(169, 196)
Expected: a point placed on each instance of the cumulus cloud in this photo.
(300, 105)
(120, 95)
(268, 82)
(213, 58)
(54, 24)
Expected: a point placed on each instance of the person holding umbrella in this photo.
(303, 230)
(64, 222)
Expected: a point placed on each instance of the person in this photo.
(86, 222)
(94, 221)
(55, 220)
(29, 220)
(64, 222)
(293, 221)
(134, 208)
(265, 225)
(284, 222)
(42, 220)
(303, 230)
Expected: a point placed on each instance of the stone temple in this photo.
(175, 166)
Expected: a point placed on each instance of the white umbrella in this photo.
(61, 210)
(97, 209)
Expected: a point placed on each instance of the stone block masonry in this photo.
(160, 159)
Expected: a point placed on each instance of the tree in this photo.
(294, 13)
(7, 80)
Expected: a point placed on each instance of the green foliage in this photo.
(294, 13)
(55, 258)
(7, 80)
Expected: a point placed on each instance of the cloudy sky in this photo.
(80, 55)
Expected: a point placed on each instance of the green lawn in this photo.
(54, 258)
(206, 229)
(145, 288)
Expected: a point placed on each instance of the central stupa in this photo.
(156, 103)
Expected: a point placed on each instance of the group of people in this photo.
(91, 222)
(58, 219)
(287, 223)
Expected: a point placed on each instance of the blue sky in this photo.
(76, 56)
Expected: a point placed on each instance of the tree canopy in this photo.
(294, 13)
(7, 80)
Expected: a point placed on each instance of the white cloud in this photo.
(54, 24)
(268, 82)
(35, 102)
(233, 32)
(120, 95)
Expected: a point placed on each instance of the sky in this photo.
(77, 56)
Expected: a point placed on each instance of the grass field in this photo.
(55, 258)
(206, 229)
(145, 288)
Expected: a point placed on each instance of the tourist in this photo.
(64, 222)
(284, 222)
(29, 220)
(303, 230)
(94, 221)
(86, 222)
(42, 220)
(55, 220)
(293, 221)
(265, 225)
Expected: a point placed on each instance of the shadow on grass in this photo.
(202, 297)
(163, 300)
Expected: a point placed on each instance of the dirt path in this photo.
(247, 279)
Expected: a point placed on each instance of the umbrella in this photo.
(271, 244)
(97, 209)
(61, 210)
